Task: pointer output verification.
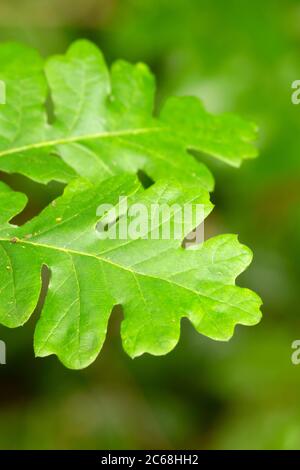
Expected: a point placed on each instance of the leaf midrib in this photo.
(94, 256)
(116, 265)
(79, 138)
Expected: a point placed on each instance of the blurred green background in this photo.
(239, 57)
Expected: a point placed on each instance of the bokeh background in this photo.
(239, 57)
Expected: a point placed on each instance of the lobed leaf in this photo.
(103, 121)
(73, 120)
(157, 282)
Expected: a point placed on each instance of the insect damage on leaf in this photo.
(104, 123)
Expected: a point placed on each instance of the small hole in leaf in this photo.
(145, 179)
(46, 276)
(195, 237)
(110, 224)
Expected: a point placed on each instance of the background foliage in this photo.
(244, 394)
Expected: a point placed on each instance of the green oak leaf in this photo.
(156, 281)
(103, 122)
